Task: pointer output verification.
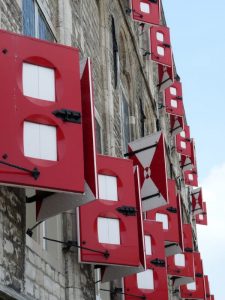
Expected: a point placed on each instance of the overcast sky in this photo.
(198, 39)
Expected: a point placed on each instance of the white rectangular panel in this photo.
(103, 230)
(31, 144)
(163, 218)
(159, 36)
(183, 145)
(179, 260)
(107, 187)
(160, 50)
(48, 142)
(108, 231)
(46, 84)
(145, 7)
(145, 280)
(148, 245)
(30, 80)
(173, 103)
(191, 286)
(173, 91)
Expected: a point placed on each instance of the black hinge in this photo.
(127, 210)
(167, 45)
(158, 262)
(153, 1)
(188, 249)
(199, 275)
(172, 209)
(68, 115)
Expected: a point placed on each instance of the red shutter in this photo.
(146, 11)
(207, 289)
(149, 154)
(166, 76)
(176, 124)
(124, 211)
(197, 292)
(66, 171)
(183, 142)
(191, 177)
(174, 99)
(60, 202)
(160, 45)
(173, 234)
(212, 297)
(202, 217)
(188, 238)
(158, 289)
(185, 163)
(197, 201)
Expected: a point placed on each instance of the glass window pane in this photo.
(28, 17)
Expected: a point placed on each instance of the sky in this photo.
(197, 31)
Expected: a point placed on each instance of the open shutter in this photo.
(176, 125)
(146, 11)
(170, 216)
(152, 283)
(160, 45)
(191, 177)
(111, 224)
(197, 201)
(183, 142)
(196, 289)
(188, 238)
(174, 99)
(165, 76)
(149, 154)
(60, 202)
(41, 101)
(202, 217)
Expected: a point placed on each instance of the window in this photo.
(109, 231)
(125, 123)
(145, 280)
(107, 187)
(179, 260)
(164, 219)
(173, 91)
(174, 103)
(34, 21)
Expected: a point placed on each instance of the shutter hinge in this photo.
(172, 209)
(188, 249)
(68, 115)
(158, 262)
(199, 275)
(127, 210)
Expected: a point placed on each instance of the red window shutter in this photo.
(197, 201)
(202, 217)
(191, 177)
(183, 142)
(176, 125)
(174, 99)
(186, 163)
(146, 11)
(161, 45)
(207, 288)
(149, 154)
(166, 76)
(188, 238)
(125, 210)
(60, 202)
(173, 238)
(65, 172)
(158, 289)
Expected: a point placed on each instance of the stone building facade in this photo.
(126, 108)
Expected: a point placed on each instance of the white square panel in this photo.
(38, 82)
(160, 50)
(179, 260)
(145, 280)
(182, 134)
(173, 91)
(40, 141)
(183, 145)
(159, 36)
(108, 231)
(191, 286)
(201, 217)
(148, 245)
(190, 177)
(173, 103)
(107, 187)
(163, 218)
(145, 7)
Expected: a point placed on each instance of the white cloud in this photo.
(212, 237)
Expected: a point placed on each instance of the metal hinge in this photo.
(188, 249)
(68, 115)
(199, 275)
(127, 210)
(158, 262)
(172, 209)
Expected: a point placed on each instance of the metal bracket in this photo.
(132, 153)
(172, 209)
(68, 115)
(158, 262)
(127, 210)
(199, 275)
(188, 249)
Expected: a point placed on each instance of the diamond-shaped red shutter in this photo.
(174, 99)
(121, 240)
(160, 45)
(197, 201)
(172, 229)
(33, 111)
(197, 290)
(165, 77)
(191, 177)
(201, 218)
(183, 142)
(176, 124)
(149, 154)
(146, 11)
(157, 287)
